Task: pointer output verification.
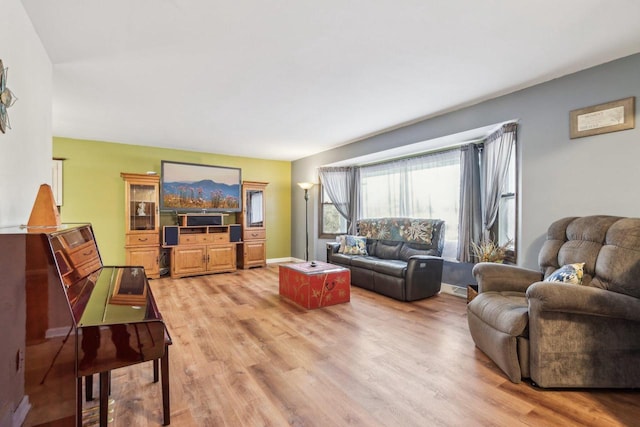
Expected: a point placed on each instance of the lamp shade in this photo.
(306, 185)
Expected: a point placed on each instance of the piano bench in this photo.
(161, 365)
(164, 362)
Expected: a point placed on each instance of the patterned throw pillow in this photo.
(355, 245)
(342, 240)
(570, 273)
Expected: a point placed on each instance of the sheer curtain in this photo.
(470, 227)
(256, 206)
(341, 184)
(426, 186)
(495, 163)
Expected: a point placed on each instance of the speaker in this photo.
(198, 220)
(235, 233)
(170, 235)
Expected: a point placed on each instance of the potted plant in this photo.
(489, 251)
(486, 251)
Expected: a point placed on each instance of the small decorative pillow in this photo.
(355, 245)
(342, 241)
(570, 273)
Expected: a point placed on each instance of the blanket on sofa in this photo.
(410, 230)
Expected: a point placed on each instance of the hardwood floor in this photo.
(242, 356)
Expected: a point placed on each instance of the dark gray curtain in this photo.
(495, 163)
(342, 185)
(470, 223)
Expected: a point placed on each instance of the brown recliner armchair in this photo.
(562, 334)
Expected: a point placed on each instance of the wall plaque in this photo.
(603, 118)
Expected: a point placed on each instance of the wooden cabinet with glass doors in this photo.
(142, 232)
(252, 252)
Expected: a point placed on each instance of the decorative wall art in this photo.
(7, 99)
(603, 118)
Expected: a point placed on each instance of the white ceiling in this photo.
(284, 79)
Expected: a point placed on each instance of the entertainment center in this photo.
(200, 249)
(197, 240)
(201, 244)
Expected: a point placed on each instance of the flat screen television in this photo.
(189, 187)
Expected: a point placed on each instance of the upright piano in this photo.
(75, 318)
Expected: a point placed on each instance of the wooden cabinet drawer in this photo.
(220, 238)
(197, 238)
(143, 239)
(254, 234)
(204, 238)
(83, 253)
(188, 239)
(88, 267)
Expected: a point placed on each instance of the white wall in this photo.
(559, 176)
(25, 163)
(26, 149)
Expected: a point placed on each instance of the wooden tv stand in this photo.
(203, 250)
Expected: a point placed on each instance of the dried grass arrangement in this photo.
(490, 251)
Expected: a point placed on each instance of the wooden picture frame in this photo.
(603, 118)
(56, 180)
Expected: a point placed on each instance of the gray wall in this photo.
(558, 176)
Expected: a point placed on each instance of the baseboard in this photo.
(458, 291)
(57, 332)
(21, 411)
(281, 260)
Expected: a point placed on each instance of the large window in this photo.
(506, 223)
(332, 223)
(428, 186)
(420, 187)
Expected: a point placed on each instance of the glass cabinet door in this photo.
(142, 207)
(141, 203)
(252, 252)
(255, 208)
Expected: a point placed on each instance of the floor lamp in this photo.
(306, 186)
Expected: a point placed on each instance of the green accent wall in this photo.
(93, 190)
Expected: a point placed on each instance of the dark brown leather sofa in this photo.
(400, 269)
